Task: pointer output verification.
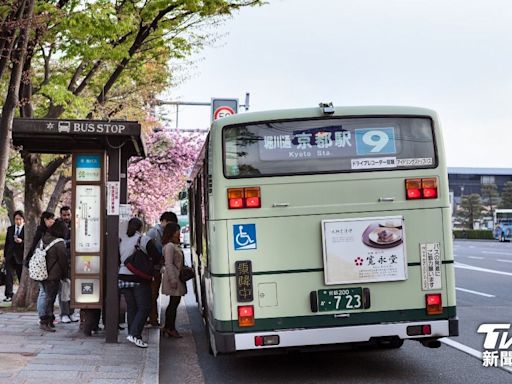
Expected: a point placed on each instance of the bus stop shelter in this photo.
(101, 151)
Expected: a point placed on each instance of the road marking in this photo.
(496, 253)
(470, 267)
(504, 261)
(468, 350)
(476, 257)
(474, 292)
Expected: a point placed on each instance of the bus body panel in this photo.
(296, 240)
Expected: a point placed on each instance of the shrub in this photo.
(473, 234)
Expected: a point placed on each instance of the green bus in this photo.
(323, 227)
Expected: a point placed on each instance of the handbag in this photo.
(140, 264)
(186, 274)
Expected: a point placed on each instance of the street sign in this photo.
(223, 108)
(76, 127)
(222, 112)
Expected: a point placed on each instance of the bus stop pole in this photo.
(111, 304)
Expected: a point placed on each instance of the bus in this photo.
(503, 224)
(323, 228)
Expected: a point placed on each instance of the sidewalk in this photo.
(29, 355)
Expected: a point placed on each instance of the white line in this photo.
(470, 267)
(474, 292)
(475, 257)
(468, 350)
(496, 253)
(504, 261)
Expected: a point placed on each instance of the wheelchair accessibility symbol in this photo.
(244, 236)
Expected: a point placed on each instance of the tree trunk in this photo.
(11, 99)
(57, 192)
(9, 202)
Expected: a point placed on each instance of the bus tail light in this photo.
(434, 304)
(252, 197)
(429, 187)
(249, 197)
(235, 198)
(246, 316)
(419, 330)
(421, 188)
(260, 341)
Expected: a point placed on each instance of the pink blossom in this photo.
(155, 181)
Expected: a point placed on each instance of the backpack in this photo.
(37, 265)
(140, 264)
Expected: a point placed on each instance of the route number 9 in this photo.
(376, 139)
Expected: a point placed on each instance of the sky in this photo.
(452, 56)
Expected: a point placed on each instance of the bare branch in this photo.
(76, 74)
(87, 78)
(50, 169)
(57, 192)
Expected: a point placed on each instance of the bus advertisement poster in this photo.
(364, 250)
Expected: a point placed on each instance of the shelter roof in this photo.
(66, 135)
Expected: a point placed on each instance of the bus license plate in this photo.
(340, 299)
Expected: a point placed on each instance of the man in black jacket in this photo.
(13, 253)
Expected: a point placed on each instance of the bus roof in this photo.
(299, 113)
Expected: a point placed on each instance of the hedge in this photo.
(483, 234)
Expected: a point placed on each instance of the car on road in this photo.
(185, 236)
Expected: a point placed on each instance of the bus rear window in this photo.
(328, 146)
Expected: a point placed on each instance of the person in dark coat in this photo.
(66, 312)
(13, 252)
(57, 266)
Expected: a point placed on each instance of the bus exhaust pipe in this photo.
(432, 343)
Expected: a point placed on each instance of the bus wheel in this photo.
(194, 286)
(391, 343)
(203, 303)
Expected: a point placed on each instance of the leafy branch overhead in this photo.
(93, 55)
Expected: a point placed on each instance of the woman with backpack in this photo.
(136, 290)
(57, 267)
(45, 222)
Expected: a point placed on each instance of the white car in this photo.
(185, 236)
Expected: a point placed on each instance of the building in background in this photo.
(465, 181)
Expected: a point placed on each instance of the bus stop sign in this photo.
(223, 108)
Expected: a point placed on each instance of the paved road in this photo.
(481, 268)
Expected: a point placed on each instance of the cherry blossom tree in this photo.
(155, 181)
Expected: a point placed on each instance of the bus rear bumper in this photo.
(290, 338)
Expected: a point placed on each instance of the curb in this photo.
(151, 370)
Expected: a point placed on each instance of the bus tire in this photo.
(391, 343)
(194, 286)
(203, 306)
